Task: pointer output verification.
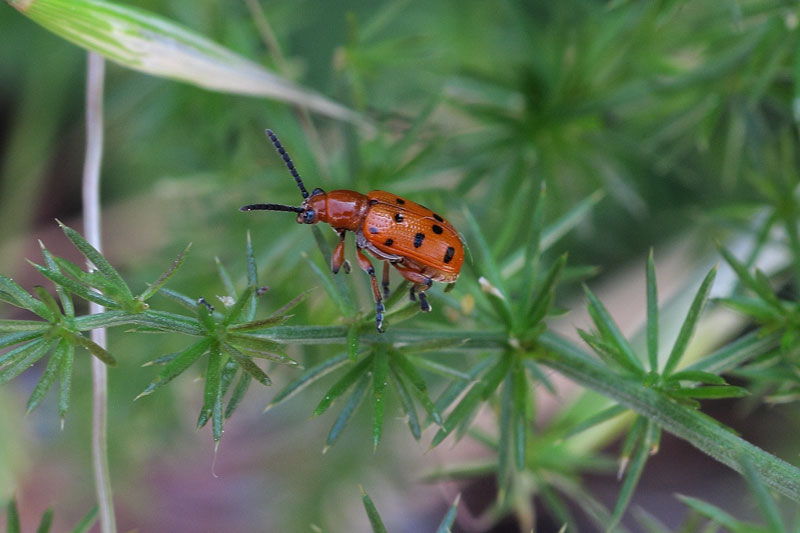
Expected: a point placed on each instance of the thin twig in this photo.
(91, 213)
(271, 41)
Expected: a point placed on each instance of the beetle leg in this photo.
(421, 283)
(423, 302)
(385, 280)
(337, 258)
(367, 267)
(202, 301)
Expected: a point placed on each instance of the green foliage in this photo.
(376, 522)
(230, 339)
(621, 120)
(714, 516)
(13, 524)
(685, 387)
(770, 371)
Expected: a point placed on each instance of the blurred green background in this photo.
(676, 111)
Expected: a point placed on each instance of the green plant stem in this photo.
(338, 335)
(683, 422)
(91, 214)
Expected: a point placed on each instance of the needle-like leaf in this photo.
(65, 381)
(178, 365)
(48, 300)
(408, 369)
(372, 513)
(336, 284)
(766, 503)
(349, 409)
(247, 364)
(96, 258)
(480, 391)
(162, 280)
(697, 376)
(450, 517)
(606, 414)
(634, 472)
(238, 393)
(73, 286)
(63, 295)
(341, 386)
(352, 341)
(520, 413)
(21, 298)
(15, 337)
(46, 522)
(12, 517)
(48, 376)
(689, 323)
(711, 392)
(23, 357)
(407, 403)
(87, 521)
(225, 277)
(252, 282)
(380, 375)
(211, 391)
(96, 350)
(652, 313)
(308, 377)
(621, 350)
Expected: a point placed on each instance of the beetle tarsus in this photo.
(202, 301)
(423, 303)
(379, 317)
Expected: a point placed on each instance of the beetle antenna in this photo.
(271, 207)
(288, 160)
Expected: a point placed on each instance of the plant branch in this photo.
(91, 212)
(683, 422)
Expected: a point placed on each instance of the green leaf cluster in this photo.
(13, 524)
(231, 339)
(376, 523)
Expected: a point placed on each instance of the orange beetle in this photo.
(420, 244)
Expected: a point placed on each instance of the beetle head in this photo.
(313, 208)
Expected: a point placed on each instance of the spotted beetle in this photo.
(420, 244)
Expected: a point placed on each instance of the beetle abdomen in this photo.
(401, 227)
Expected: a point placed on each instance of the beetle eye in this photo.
(317, 191)
(308, 216)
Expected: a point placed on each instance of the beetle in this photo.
(421, 245)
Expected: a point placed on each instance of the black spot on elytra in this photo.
(448, 255)
(398, 217)
(437, 229)
(400, 201)
(438, 218)
(389, 242)
(373, 201)
(373, 230)
(418, 238)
